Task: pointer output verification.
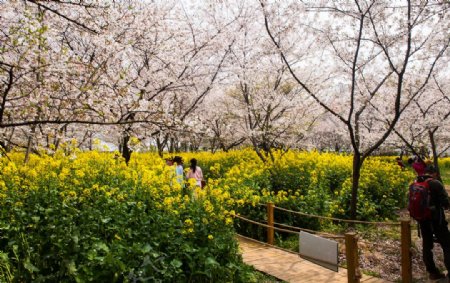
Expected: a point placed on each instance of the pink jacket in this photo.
(198, 175)
(419, 167)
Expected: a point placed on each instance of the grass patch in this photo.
(254, 276)
(290, 243)
(445, 175)
(264, 278)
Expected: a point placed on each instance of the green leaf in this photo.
(176, 263)
(29, 266)
(91, 255)
(4, 257)
(101, 246)
(4, 226)
(146, 248)
(71, 267)
(211, 261)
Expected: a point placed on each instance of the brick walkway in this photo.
(290, 267)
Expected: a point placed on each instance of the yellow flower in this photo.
(86, 192)
(64, 173)
(79, 173)
(72, 194)
(192, 182)
(120, 197)
(208, 206)
(210, 237)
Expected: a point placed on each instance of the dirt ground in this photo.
(384, 260)
(382, 257)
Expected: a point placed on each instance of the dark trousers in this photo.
(440, 230)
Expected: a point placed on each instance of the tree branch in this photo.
(56, 12)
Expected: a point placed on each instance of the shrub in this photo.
(92, 218)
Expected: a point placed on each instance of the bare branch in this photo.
(56, 12)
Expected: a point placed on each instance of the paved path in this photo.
(290, 267)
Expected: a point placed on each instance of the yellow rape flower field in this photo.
(88, 217)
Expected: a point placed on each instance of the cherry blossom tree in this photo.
(327, 135)
(171, 68)
(425, 123)
(367, 51)
(175, 74)
(220, 127)
(45, 76)
(129, 66)
(259, 102)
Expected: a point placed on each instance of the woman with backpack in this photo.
(431, 218)
(418, 165)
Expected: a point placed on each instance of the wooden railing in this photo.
(351, 240)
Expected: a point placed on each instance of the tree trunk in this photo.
(337, 147)
(435, 154)
(212, 145)
(357, 163)
(29, 144)
(91, 144)
(125, 150)
(184, 146)
(159, 146)
(172, 145)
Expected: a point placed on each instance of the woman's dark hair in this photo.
(193, 164)
(178, 160)
(430, 169)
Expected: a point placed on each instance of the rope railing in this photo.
(265, 225)
(338, 219)
(331, 236)
(351, 238)
(326, 235)
(323, 234)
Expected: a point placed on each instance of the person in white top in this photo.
(195, 172)
(179, 171)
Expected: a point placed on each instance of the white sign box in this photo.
(321, 251)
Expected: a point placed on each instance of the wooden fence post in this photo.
(406, 251)
(270, 222)
(351, 253)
